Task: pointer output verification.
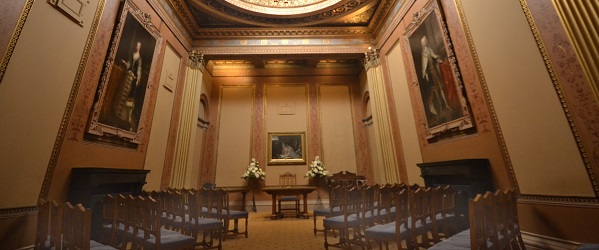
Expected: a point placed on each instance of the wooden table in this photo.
(243, 190)
(275, 191)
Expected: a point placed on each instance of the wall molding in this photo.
(568, 201)
(8, 213)
(14, 38)
(537, 241)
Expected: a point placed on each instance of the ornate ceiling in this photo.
(283, 32)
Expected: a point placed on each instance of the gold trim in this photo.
(485, 89)
(14, 38)
(559, 91)
(71, 102)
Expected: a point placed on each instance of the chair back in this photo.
(76, 227)
(421, 216)
(401, 203)
(49, 224)
(482, 215)
(287, 179)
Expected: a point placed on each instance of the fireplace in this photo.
(469, 177)
(89, 186)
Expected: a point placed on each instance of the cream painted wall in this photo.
(297, 97)
(405, 114)
(337, 128)
(539, 142)
(161, 126)
(33, 96)
(233, 153)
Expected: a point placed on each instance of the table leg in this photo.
(305, 213)
(273, 216)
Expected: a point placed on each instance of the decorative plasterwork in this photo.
(218, 19)
(222, 10)
(283, 7)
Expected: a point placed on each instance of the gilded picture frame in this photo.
(121, 101)
(286, 148)
(440, 91)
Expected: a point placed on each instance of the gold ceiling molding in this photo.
(286, 72)
(221, 19)
(220, 10)
(283, 7)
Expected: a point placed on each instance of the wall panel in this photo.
(233, 153)
(290, 97)
(337, 130)
(534, 126)
(160, 127)
(405, 114)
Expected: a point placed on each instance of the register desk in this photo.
(275, 191)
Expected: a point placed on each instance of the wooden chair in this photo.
(201, 222)
(513, 224)
(398, 229)
(49, 225)
(180, 216)
(385, 205)
(226, 214)
(334, 209)
(76, 225)
(108, 231)
(421, 217)
(490, 216)
(368, 208)
(345, 178)
(151, 234)
(287, 180)
(448, 218)
(348, 223)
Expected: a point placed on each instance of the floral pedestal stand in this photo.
(318, 182)
(254, 184)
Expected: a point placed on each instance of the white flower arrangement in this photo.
(254, 171)
(317, 169)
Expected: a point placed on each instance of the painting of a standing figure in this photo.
(435, 69)
(126, 78)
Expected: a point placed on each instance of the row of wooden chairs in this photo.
(136, 222)
(421, 217)
(364, 213)
(175, 204)
(494, 224)
(64, 227)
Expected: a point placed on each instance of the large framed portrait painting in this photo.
(121, 100)
(440, 91)
(286, 148)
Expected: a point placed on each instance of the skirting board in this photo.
(537, 241)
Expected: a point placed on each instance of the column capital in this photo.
(196, 60)
(371, 58)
